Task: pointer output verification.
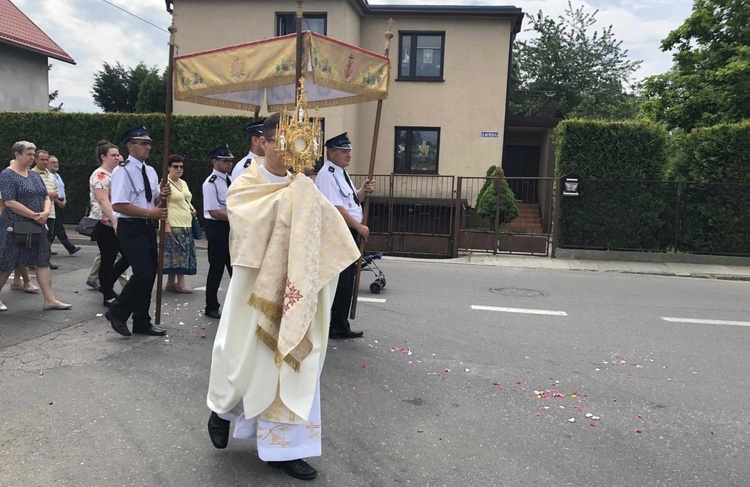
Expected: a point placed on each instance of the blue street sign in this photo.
(491, 134)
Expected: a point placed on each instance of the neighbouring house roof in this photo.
(18, 30)
(510, 12)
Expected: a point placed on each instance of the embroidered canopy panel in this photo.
(243, 76)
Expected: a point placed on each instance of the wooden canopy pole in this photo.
(299, 49)
(165, 169)
(370, 175)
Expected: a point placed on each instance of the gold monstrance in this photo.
(300, 138)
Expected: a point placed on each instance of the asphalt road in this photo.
(467, 375)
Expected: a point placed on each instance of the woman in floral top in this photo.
(105, 232)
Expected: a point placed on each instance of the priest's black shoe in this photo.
(299, 469)
(214, 313)
(337, 335)
(218, 431)
(118, 325)
(151, 330)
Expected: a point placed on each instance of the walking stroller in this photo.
(368, 264)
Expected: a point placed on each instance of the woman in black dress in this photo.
(25, 199)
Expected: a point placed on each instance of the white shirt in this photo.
(215, 193)
(127, 185)
(243, 164)
(334, 186)
(272, 178)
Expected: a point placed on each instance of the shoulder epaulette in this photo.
(331, 169)
(124, 163)
(247, 163)
(212, 178)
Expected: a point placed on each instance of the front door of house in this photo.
(522, 161)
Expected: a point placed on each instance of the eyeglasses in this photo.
(270, 139)
(175, 166)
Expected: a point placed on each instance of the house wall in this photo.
(23, 80)
(469, 101)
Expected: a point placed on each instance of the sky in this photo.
(93, 31)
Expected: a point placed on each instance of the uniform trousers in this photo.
(217, 234)
(138, 244)
(342, 301)
(60, 231)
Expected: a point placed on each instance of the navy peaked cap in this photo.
(221, 152)
(339, 142)
(136, 133)
(254, 128)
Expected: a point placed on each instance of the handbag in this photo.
(27, 233)
(196, 229)
(86, 225)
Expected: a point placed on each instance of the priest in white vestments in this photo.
(288, 245)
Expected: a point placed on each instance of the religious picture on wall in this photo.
(427, 56)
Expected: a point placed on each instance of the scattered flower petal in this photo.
(572, 420)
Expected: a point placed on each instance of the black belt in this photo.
(140, 221)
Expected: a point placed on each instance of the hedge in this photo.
(715, 162)
(73, 136)
(611, 214)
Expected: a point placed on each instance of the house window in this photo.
(417, 150)
(286, 23)
(420, 56)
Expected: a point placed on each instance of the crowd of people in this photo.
(264, 225)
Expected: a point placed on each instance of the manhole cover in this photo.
(517, 292)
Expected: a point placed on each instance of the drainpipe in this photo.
(507, 94)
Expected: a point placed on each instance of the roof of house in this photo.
(510, 12)
(18, 30)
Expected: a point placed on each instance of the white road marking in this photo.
(520, 310)
(202, 288)
(371, 300)
(705, 322)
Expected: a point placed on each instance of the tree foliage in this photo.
(709, 82)
(53, 96)
(587, 69)
(129, 90)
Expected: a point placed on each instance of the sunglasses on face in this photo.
(176, 166)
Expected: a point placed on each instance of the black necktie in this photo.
(146, 184)
(356, 200)
(228, 181)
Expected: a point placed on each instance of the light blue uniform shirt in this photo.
(127, 185)
(243, 164)
(332, 183)
(60, 186)
(215, 193)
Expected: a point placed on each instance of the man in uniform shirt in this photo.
(335, 184)
(60, 202)
(253, 133)
(215, 189)
(135, 196)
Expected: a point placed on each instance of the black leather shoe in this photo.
(53, 253)
(54, 267)
(214, 313)
(345, 334)
(117, 325)
(150, 330)
(218, 431)
(74, 250)
(299, 469)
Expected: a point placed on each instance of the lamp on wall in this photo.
(571, 185)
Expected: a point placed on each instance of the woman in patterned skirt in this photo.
(179, 246)
(26, 200)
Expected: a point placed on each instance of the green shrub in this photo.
(73, 136)
(615, 214)
(487, 199)
(715, 163)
